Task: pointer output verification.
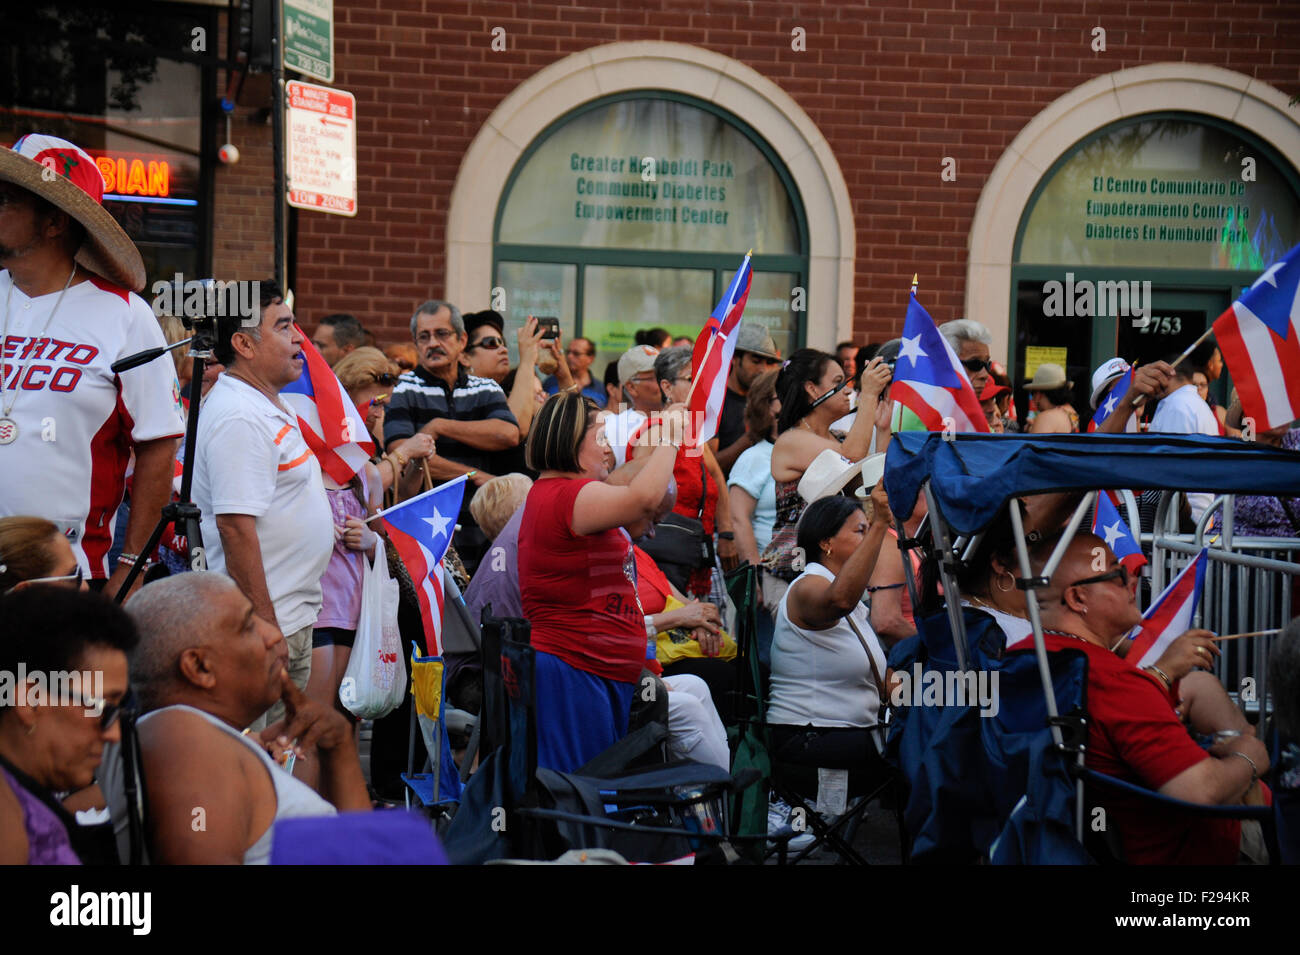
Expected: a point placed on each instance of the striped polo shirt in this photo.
(421, 397)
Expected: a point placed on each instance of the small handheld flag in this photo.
(1113, 397)
(930, 381)
(1170, 615)
(1108, 524)
(711, 359)
(1259, 336)
(330, 423)
(421, 529)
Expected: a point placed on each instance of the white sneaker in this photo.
(778, 825)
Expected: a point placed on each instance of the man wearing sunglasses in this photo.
(971, 341)
(1134, 732)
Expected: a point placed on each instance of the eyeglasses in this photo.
(74, 578)
(384, 379)
(642, 380)
(579, 353)
(685, 381)
(442, 334)
(975, 364)
(108, 712)
(488, 341)
(1120, 573)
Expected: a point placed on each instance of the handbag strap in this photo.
(871, 659)
(704, 487)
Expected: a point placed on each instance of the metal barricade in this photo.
(1248, 587)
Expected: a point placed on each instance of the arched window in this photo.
(634, 210)
(1140, 235)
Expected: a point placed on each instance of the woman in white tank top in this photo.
(828, 667)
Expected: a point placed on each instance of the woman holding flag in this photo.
(577, 576)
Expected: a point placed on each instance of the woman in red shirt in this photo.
(577, 577)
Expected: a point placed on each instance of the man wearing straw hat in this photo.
(68, 425)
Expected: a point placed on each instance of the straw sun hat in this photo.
(66, 177)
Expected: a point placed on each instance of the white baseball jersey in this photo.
(76, 421)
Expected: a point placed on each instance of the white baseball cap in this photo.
(1107, 373)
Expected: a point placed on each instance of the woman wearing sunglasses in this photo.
(34, 551)
(54, 725)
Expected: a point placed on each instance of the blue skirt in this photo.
(579, 714)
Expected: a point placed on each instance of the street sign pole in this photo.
(277, 138)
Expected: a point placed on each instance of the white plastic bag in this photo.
(375, 682)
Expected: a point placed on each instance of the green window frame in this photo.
(720, 264)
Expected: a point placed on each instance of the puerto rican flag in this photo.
(1171, 615)
(1109, 403)
(930, 381)
(421, 529)
(711, 359)
(1259, 336)
(1110, 526)
(330, 423)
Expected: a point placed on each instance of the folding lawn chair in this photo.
(511, 808)
(967, 479)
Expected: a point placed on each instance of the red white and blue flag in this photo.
(330, 423)
(1112, 400)
(421, 529)
(1108, 524)
(930, 381)
(1171, 615)
(711, 359)
(1259, 336)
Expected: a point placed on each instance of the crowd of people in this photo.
(589, 511)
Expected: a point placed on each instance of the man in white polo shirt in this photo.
(266, 520)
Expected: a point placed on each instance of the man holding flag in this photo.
(267, 522)
(1134, 732)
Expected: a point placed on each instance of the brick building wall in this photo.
(894, 88)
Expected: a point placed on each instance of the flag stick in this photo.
(708, 350)
(1178, 361)
(379, 514)
(1253, 633)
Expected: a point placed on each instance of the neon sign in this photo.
(135, 177)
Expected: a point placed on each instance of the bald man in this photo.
(205, 668)
(1133, 731)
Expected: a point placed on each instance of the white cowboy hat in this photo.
(65, 176)
(873, 469)
(827, 475)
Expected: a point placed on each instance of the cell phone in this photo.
(551, 326)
